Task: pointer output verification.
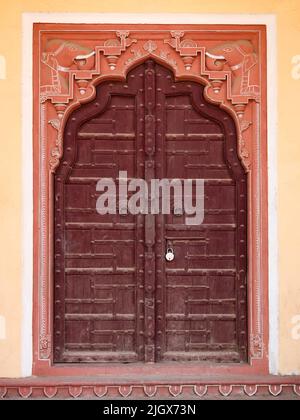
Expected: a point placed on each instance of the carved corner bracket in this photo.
(232, 73)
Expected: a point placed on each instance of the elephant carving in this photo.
(242, 61)
(60, 57)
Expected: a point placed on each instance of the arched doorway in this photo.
(117, 299)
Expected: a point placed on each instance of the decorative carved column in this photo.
(149, 218)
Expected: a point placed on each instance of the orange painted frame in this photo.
(69, 61)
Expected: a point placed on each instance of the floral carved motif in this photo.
(45, 346)
(57, 150)
(150, 46)
(256, 346)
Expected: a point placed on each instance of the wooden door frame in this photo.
(113, 61)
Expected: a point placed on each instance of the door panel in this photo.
(204, 288)
(97, 305)
(116, 297)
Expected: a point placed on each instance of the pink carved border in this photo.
(70, 60)
(263, 388)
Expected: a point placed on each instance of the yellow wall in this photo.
(288, 15)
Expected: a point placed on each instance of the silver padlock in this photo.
(170, 254)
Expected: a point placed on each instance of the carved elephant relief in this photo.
(243, 63)
(58, 59)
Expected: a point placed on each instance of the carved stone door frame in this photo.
(230, 60)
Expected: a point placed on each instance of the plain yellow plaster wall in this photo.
(288, 15)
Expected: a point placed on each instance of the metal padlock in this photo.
(170, 254)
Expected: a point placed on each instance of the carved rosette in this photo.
(45, 346)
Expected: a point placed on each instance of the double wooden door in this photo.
(116, 297)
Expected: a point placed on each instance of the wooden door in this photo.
(117, 299)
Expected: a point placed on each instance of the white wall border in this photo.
(27, 196)
(28, 19)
